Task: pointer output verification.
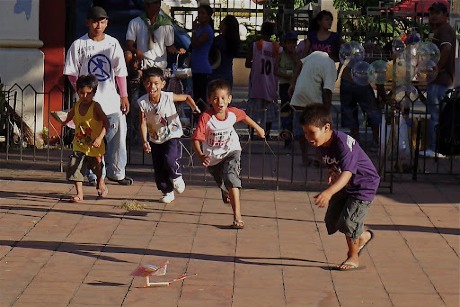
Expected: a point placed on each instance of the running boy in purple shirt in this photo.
(353, 181)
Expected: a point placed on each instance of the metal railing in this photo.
(265, 163)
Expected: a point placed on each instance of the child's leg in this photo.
(172, 155)
(234, 194)
(79, 197)
(162, 179)
(231, 178)
(75, 173)
(351, 224)
(354, 246)
(97, 168)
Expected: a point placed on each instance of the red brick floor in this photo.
(55, 253)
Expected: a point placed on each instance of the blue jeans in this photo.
(434, 95)
(116, 156)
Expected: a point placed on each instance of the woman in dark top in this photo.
(228, 44)
(202, 39)
(320, 38)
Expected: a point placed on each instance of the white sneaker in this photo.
(167, 198)
(431, 154)
(179, 185)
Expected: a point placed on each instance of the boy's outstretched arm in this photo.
(248, 121)
(323, 198)
(143, 124)
(69, 117)
(188, 99)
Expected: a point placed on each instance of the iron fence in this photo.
(272, 163)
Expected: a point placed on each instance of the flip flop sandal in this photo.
(75, 199)
(352, 266)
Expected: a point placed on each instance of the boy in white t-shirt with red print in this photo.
(221, 149)
(161, 131)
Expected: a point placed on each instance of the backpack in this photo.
(448, 129)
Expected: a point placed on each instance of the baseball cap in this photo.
(439, 7)
(291, 36)
(96, 12)
(151, 1)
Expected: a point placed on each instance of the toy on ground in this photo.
(148, 270)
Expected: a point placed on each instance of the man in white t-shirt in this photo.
(313, 82)
(149, 39)
(101, 55)
(150, 36)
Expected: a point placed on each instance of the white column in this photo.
(22, 62)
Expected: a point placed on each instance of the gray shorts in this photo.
(227, 172)
(346, 214)
(79, 163)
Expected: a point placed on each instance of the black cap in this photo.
(439, 7)
(97, 12)
(291, 36)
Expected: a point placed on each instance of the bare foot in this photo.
(76, 199)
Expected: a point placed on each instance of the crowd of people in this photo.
(112, 82)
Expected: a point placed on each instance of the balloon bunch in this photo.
(414, 62)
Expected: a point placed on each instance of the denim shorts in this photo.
(346, 215)
(226, 173)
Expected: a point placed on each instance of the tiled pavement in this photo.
(54, 253)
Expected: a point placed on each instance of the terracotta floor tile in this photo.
(85, 252)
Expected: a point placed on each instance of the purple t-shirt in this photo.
(345, 154)
(331, 45)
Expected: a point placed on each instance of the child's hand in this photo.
(332, 177)
(261, 132)
(97, 142)
(197, 110)
(146, 147)
(205, 160)
(322, 199)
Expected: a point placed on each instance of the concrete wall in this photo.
(240, 73)
(22, 62)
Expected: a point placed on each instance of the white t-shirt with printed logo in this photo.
(219, 137)
(105, 60)
(163, 122)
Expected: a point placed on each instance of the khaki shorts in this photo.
(226, 173)
(78, 165)
(346, 215)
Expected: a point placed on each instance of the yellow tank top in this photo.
(87, 129)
